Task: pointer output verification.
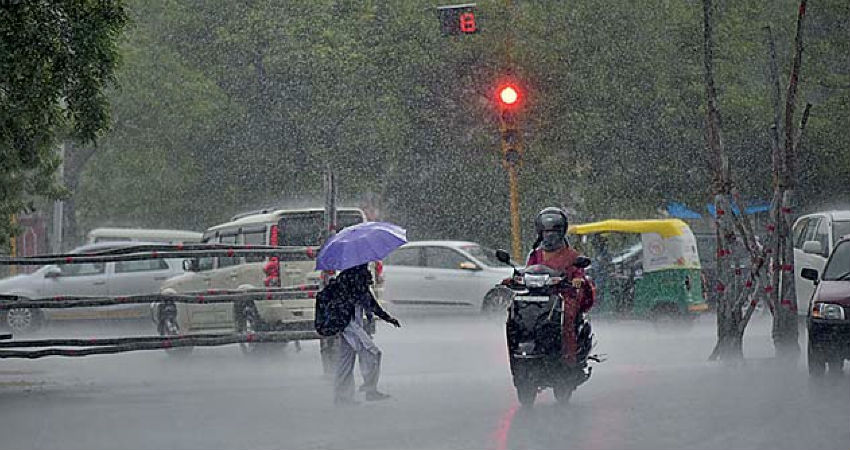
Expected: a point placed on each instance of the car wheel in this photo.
(169, 326)
(247, 322)
(496, 300)
(23, 320)
(815, 361)
(836, 366)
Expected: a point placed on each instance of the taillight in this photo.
(273, 235)
(379, 272)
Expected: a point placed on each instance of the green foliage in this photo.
(56, 58)
(227, 107)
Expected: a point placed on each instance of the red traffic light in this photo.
(508, 95)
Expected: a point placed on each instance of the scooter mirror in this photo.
(582, 262)
(503, 256)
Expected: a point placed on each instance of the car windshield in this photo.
(485, 255)
(839, 264)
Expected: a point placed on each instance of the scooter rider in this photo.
(553, 250)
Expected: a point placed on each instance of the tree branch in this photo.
(791, 98)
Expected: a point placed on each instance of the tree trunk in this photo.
(735, 301)
(785, 329)
(76, 159)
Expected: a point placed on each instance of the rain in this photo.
(697, 150)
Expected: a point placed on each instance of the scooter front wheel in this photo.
(526, 393)
(563, 392)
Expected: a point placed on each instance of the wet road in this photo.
(451, 389)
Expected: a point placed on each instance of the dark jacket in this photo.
(354, 285)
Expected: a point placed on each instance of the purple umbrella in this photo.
(360, 244)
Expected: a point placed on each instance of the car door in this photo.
(446, 282)
(404, 277)
(222, 276)
(200, 315)
(87, 279)
(138, 277)
(807, 230)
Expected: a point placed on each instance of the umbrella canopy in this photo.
(360, 244)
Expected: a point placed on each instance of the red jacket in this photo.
(563, 260)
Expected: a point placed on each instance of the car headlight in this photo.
(828, 311)
(535, 281)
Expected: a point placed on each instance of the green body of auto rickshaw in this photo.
(658, 277)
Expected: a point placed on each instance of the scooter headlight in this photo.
(536, 281)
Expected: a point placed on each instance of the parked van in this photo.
(814, 237)
(282, 227)
(142, 234)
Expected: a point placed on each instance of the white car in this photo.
(815, 235)
(89, 279)
(442, 274)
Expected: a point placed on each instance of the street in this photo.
(451, 388)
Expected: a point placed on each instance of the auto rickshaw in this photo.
(657, 277)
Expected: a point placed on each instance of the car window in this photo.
(409, 256)
(308, 229)
(485, 255)
(811, 228)
(144, 265)
(799, 232)
(254, 237)
(839, 263)
(443, 258)
(205, 262)
(822, 235)
(227, 261)
(79, 270)
(839, 230)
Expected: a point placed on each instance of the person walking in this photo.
(355, 342)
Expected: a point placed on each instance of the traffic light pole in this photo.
(510, 149)
(512, 179)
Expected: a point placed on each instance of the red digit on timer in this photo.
(467, 22)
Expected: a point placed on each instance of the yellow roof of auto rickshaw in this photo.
(667, 228)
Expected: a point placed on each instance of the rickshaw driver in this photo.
(553, 250)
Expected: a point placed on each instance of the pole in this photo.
(13, 244)
(516, 244)
(515, 235)
(58, 206)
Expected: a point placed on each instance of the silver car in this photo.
(453, 274)
(89, 279)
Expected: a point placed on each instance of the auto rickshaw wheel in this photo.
(667, 317)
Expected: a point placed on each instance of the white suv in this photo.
(815, 235)
(283, 227)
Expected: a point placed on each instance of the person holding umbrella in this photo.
(350, 251)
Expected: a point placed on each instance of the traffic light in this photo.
(509, 99)
(508, 95)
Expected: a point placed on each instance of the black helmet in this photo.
(551, 226)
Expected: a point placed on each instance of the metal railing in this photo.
(96, 346)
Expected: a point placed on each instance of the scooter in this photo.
(534, 332)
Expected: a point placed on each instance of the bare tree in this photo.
(734, 307)
(781, 292)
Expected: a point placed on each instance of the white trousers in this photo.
(356, 343)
